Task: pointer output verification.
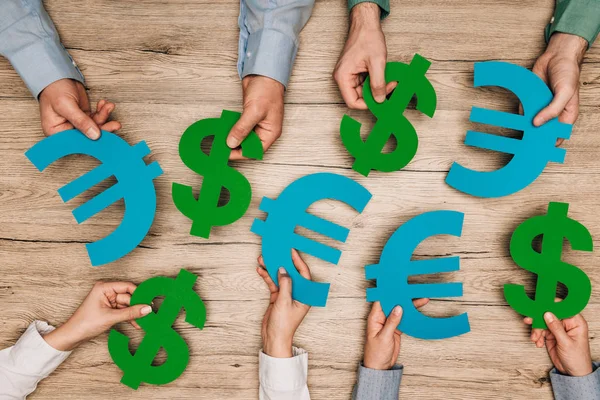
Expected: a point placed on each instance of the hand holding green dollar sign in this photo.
(206, 212)
(178, 293)
(390, 119)
(547, 264)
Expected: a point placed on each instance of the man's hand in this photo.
(560, 67)
(382, 345)
(365, 52)
(64, 104)
(284, 314)
(263, 112)
(106, 305)
(567, 343)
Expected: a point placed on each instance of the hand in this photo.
(64, 104)
(560, 67)
(365, 52)
(284, 315)
(567, 343)
(263, 112)
(106, 305)
(382, 345)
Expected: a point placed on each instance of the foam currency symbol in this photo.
(288, 212)
(531, 153)
(138, 368)
(134, 185)
(395, 267)
(390, 119)
(205, 212)
(547, 264)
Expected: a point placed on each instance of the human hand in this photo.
(560, 67)
(106, 305)
(567, 343)
(284, 315)
(64, 104)
(365, 52)
(382, 345)
(263, 113)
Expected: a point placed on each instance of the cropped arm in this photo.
(577, 17)
(283, 378)
(372, 384)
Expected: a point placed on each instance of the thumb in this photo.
(556, 327)
(377, 79)
(392, 322)
(285, 286)
(242, 128)
(71, 111)
(555, 108)
(130, 313)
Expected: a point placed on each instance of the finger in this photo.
(121, 287)
(111, 126)
(376, 312)
(536, 334)
(541, 341)
(349, 92)
(123, 299)
(130, 313)
(103, 113)
(389, 88)
(556, 327)
(300, 264)
(267, 278)
(70, 110)
(100, 104)
(250, 117)
(135, 324)
(571, 111)
(393, 320)
(553, 110)
(236, 154)
(528, 320)
(285, 287)
(418, 303)
(377, 79)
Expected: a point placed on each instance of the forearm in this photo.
(29, 361)
(576, 387)
(269, 34)
(28, 39)
(372, 384)
(383, 5)
(576, 17)
(283, 378)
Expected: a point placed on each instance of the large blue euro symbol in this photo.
(395, 267)
(289, 212)
(530, 154)
(134, 185)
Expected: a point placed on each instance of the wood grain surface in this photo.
(169, 63)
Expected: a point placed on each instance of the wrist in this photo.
(62, 339)
(278, 348)
(365, 15)
(568, 45)
(584, 371)
(375, 365)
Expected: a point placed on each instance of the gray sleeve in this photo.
(576, 387)
(28, 39)
(372, 384)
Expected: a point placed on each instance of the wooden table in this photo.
(169, 63)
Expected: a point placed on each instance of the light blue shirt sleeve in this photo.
(576, 387)
(28, 39)
(269, 31)
(374, 384)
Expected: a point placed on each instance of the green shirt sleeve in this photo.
(578, 17)
(384, 5)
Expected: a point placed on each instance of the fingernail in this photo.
(93, 133)
(397, 310)
(146, 310)
(282, 271)
(549, 317)
(380, 98)
(232, 142)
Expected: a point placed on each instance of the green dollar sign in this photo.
(554, 226)
(206, 212)
(179, 293)
(390, 119)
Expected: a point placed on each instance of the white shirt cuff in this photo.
(284, 374)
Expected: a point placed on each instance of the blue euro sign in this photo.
(134, 185)
(531, 153)
(395, 267)
(289, 212)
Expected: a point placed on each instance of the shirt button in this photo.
(249, 54)
(552, 20)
